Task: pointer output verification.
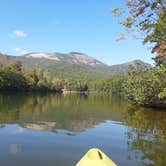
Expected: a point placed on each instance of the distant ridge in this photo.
(76, 65)
(124, 68)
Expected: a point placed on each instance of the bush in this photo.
(147, 88)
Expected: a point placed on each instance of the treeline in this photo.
(14, 78)
(146, 88)
(113, 84)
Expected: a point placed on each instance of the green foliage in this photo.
(114, 84)
(146, 18)
(147, 88)
(11, 80)
(66, 70)
(12, 77)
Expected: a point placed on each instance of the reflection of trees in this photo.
(72, 112)
(147, 135)
(10, 105)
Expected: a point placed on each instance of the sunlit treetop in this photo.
(146, 19)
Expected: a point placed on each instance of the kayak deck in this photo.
(95, 157)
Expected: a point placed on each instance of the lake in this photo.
(57, 130)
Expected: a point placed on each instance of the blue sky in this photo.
(67, 25)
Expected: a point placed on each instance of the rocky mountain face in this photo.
(75, 65)
(72, 57)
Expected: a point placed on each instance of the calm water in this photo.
(54, 130)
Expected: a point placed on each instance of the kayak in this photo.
(95, 157)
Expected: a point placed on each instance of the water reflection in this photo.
(14, 148)
(59, 129)
(50, 112)
(147, 135)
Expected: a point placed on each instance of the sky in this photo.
(85, 26)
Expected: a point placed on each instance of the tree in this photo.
(16, 66)
(11, 80)
(147, 88)
(148, 18)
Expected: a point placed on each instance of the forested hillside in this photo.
(75, 65)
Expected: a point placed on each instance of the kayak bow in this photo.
(95, 157)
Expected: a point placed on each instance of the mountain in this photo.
(135, 65)
(75, 65)
(72, 57)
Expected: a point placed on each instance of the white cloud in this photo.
(19, 34)
(16, 49)
(25, 52)
(20, 50)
